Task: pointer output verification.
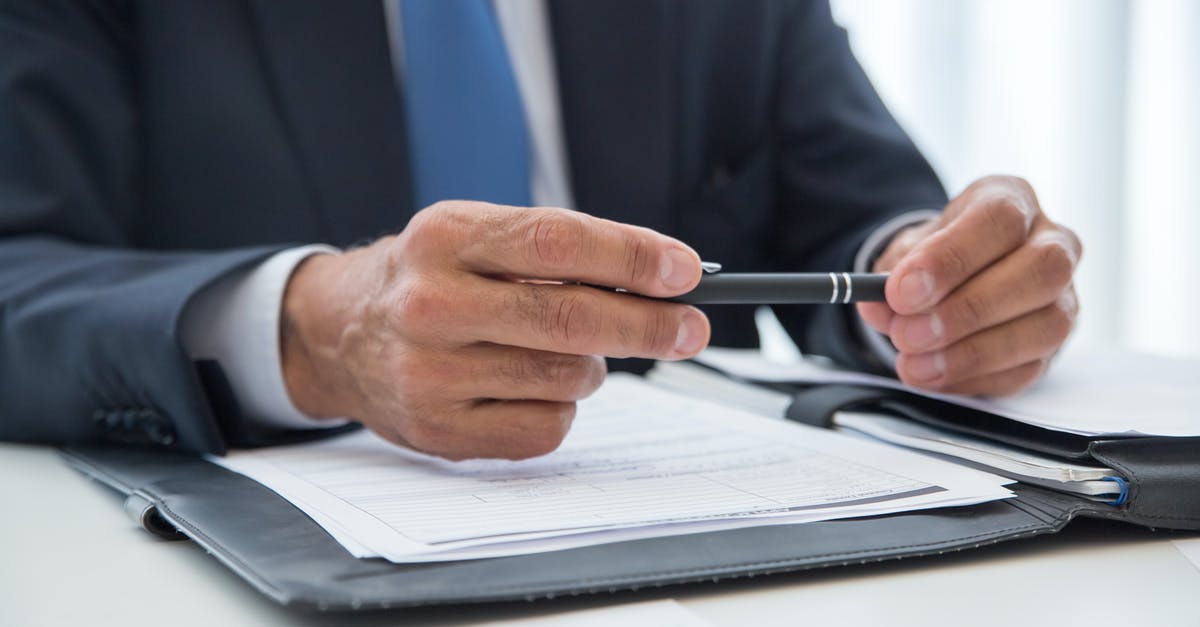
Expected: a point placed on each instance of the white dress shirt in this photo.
(236, 320)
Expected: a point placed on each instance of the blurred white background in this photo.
(1095, 102)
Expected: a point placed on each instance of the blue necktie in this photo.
(465, 116)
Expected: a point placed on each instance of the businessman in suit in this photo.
(234, 221)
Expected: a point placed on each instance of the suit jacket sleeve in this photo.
(845, 168)
(89, 340)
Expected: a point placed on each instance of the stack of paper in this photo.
(1087, 391)
(639, 462)
(1090, 480)
(1009, 461)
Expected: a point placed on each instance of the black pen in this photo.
(779, 288)
(783, 288)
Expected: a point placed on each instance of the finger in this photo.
(990, 228)
(580, 320)
(557, 244)
(491, 372)
(1002, 383)
(902, 243)
(1030, 278)
(490, 429)
(1033, 336)
(878, 316)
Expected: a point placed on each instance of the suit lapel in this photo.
(614, 73)
(330, 64)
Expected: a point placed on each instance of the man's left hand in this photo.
(980, 299)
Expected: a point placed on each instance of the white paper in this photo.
(663, 613)
(1086, 392)
(639, 462)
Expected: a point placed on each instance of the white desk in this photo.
(70, 556)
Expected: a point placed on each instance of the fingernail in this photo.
(692, 335)
(923, 332)
(916, 289)
(927, 367)
(677, 269)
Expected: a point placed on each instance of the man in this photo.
(164, 164)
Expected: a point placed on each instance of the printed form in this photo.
(639, 462)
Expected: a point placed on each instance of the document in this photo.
(988, 455)
(639, 462)
(1087, 391)
(1026, 466)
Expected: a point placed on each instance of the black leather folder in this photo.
(288, 557)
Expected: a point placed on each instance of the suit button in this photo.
(108, 420)
(156, 427)
(129, 420)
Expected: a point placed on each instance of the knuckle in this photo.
(1068, 302)
(572, 322)
(430, 220)
(1013, 192)
(577, 375)
(1056, 326)
(637, 260)
(555, 240)
(436, 230)
(429, 435)
(972, 311)
(531, 305)
(595, 372)
(563, 372)
(950, 261)
(1053, 263)
(1006, 219)
(1018, 182)
(970, 359)
(659, 332)
(1007, 182)
(901, 244)
(419, 303)
(1024, 377)
(553, 424)
(1073, 238)
(422, 219)
(514, 369)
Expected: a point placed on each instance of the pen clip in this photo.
(710, 267)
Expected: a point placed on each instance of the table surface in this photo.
(70, 556)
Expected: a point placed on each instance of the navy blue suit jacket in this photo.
(150, 147)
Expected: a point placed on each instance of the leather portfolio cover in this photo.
(292, 560)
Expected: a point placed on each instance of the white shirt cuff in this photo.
(876, 342)
(235, 321)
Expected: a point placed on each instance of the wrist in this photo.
(309, 327)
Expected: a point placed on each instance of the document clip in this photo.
(1123, 495)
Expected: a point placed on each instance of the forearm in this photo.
(90, 347)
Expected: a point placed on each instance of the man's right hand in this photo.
(456, 338)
